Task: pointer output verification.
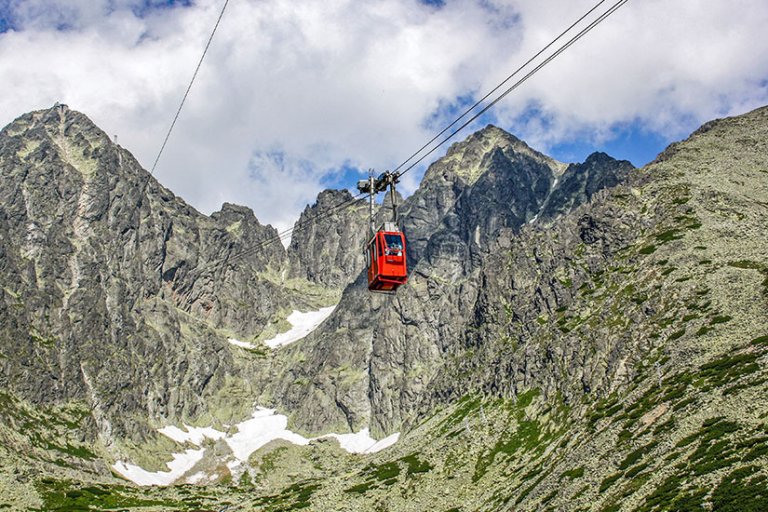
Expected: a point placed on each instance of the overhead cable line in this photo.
(535, 70)
(189, 87)
(303, 224)
(518, 70)
(181, 105)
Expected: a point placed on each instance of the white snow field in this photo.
(301, 325)
(242, 344)
(181, 463)
(193, 435)
(263, 427)
(247, 437)
(362, 442)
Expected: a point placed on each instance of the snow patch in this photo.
(384, 443)
(181, 463)
(263, 427)
(243, 344)
(232, 465)
(197, 478)
(362, 442)
(303, 324)
(194, 435)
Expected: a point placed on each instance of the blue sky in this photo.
(142, 9)
(13, 13)
(298, 95)
(631, 142)
(6, 21)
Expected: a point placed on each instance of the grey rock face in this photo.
(465, 163)
(326, 246)
(520, 304)
(115, 291)
(328, 239)
(581, 181)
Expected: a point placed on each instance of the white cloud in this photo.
(666, 65)
(293, 90)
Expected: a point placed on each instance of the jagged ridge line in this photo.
(299, 226)
(578, 36)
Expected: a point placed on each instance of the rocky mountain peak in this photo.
(112, 275)
(332, 198)
(488, 183)
(597, 158)
(468, 158)
(231, 208)
(61, 128)
(580, 182)
(235, 213)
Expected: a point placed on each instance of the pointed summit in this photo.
(57, 121)
(467, 158)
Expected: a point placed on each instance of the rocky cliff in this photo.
(115, 293)
(326, 247)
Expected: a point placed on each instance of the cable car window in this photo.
(394, 245)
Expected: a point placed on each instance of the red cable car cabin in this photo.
(386, 261)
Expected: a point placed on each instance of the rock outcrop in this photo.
(327, 242)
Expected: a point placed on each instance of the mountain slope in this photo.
(616, 359)
(117, 294)
(610, 355)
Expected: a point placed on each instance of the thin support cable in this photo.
(189, 88)
(535, 70)
(514, 73)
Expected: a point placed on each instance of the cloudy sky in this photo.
(299, 95)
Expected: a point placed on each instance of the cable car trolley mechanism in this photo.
(385, 252)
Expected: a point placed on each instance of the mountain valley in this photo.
(585, 336)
